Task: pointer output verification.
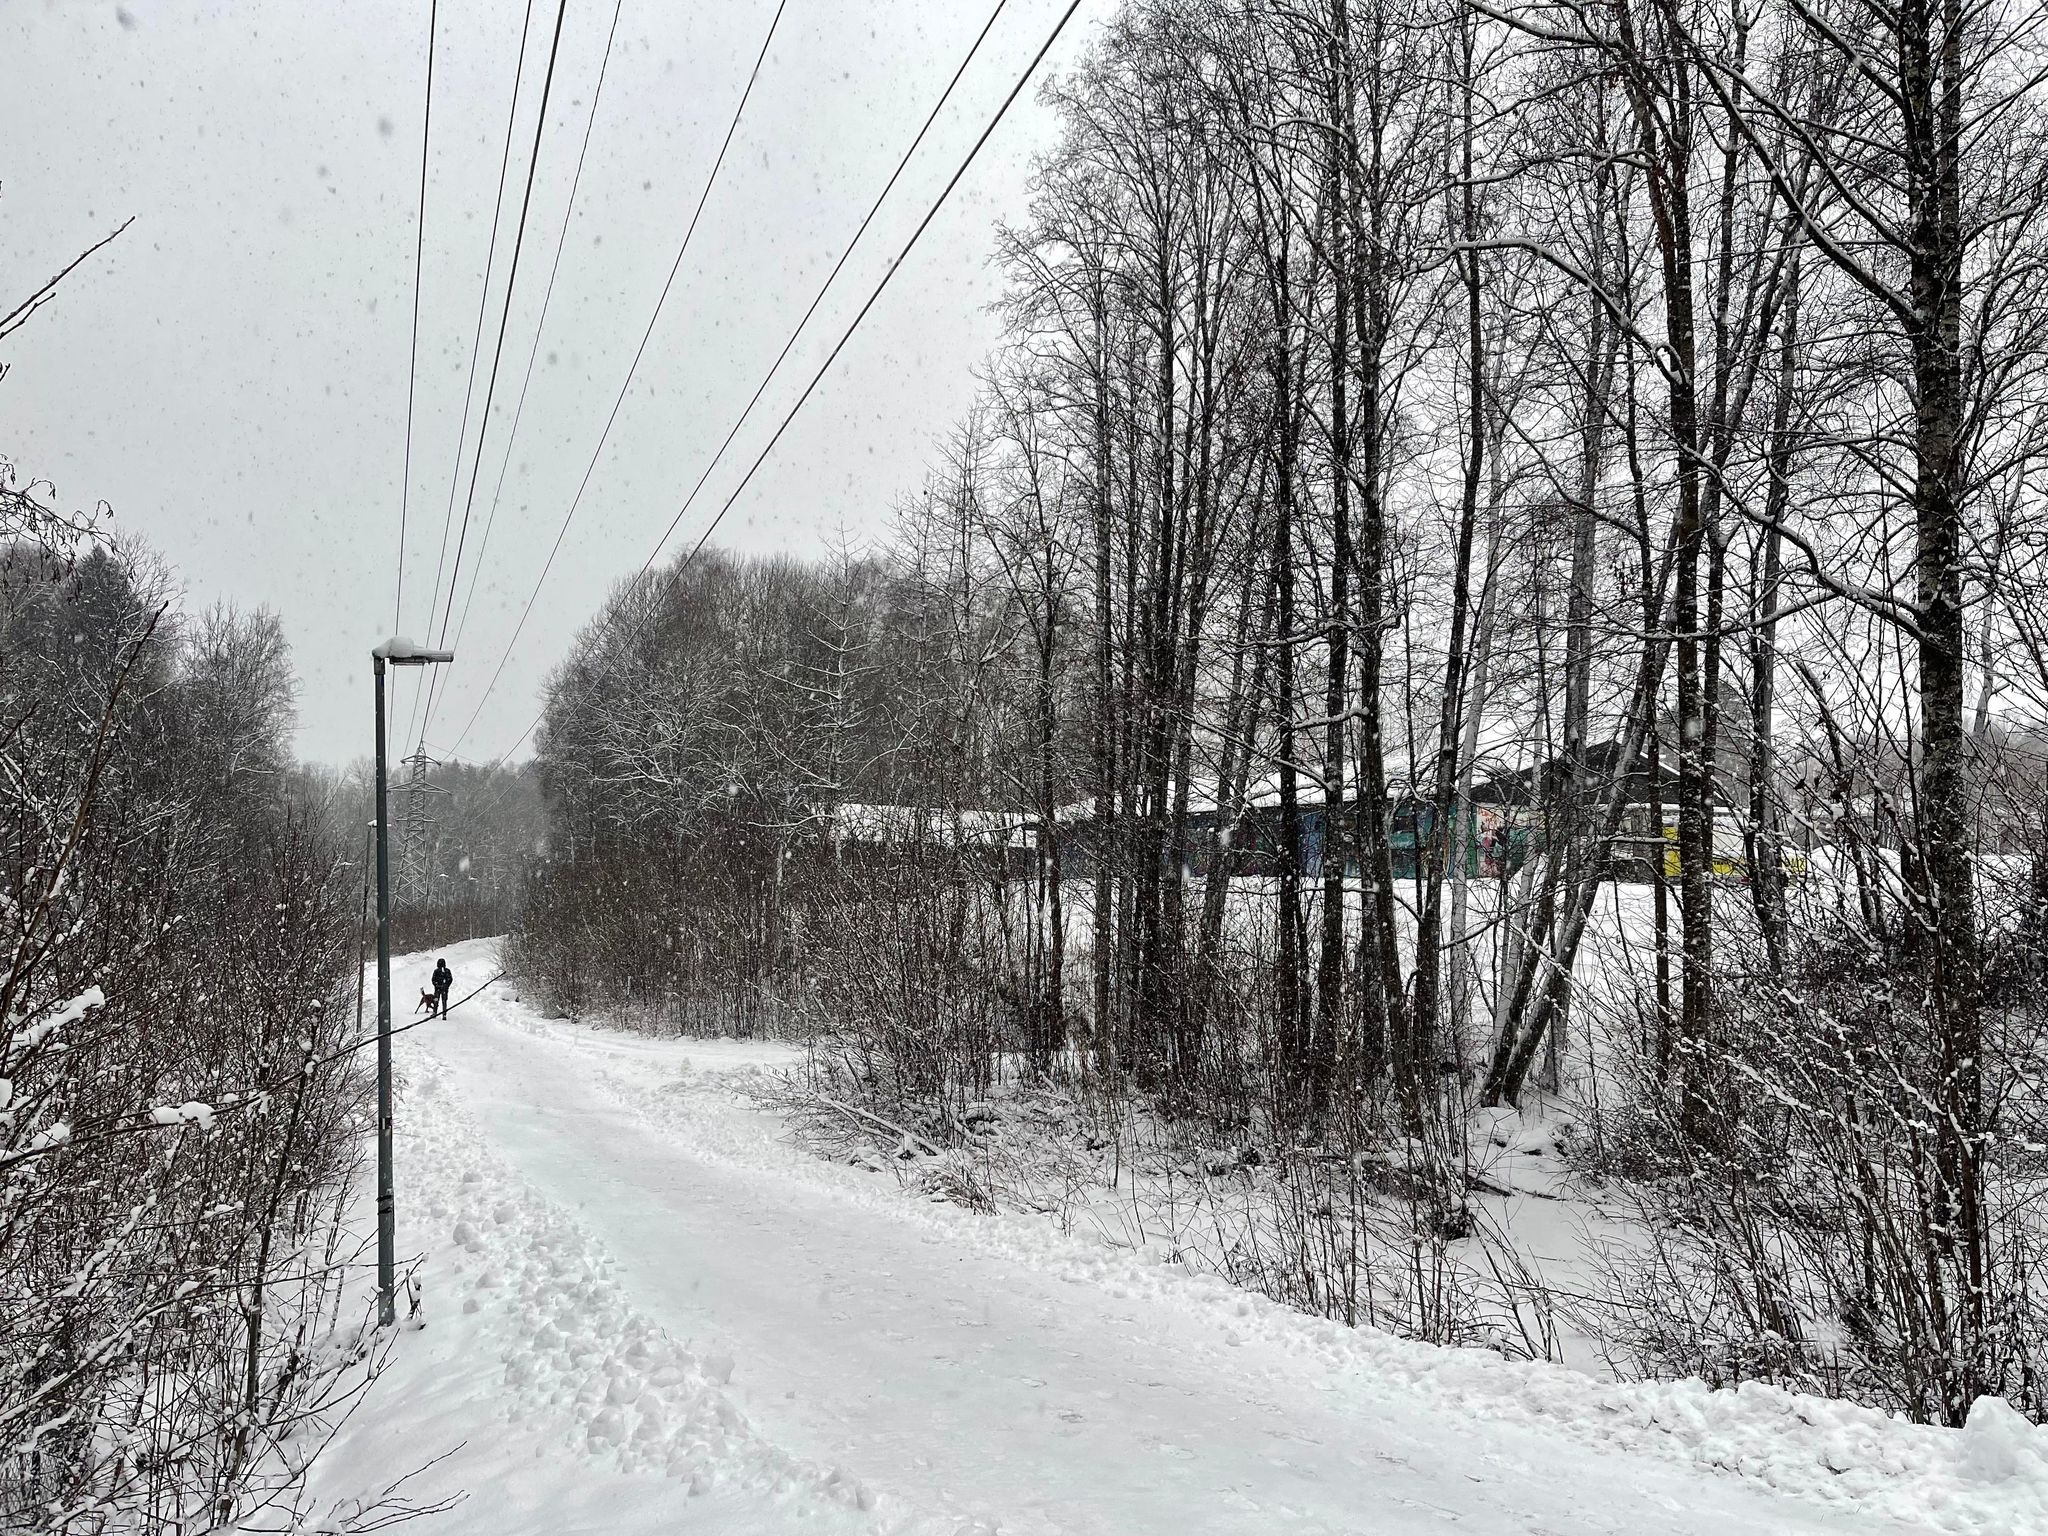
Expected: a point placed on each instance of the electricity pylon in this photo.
(416, 831)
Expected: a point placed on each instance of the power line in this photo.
(540, 326)
(476, 463)
(761, 388)
(646, 335)
(676, 571)
(418, 264)
(483, 304)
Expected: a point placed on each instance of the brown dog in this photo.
(428, 1002)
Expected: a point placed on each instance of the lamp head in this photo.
(399, 651)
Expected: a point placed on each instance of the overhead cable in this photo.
(676, 571)
(760, 388)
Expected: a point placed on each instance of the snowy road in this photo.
(753, 1340)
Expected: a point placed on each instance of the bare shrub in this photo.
(1815, 1238)
(179, 1105)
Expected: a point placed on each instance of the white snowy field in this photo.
(643, 1310)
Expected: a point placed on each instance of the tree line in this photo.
(181, 1113)
(1615, 424)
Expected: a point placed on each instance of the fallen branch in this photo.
(854, 1111)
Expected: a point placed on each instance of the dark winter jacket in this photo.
(443, 977)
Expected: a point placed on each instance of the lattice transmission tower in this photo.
(416, 831)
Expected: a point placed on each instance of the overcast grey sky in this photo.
(231, 374)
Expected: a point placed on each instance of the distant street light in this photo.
(396, 652)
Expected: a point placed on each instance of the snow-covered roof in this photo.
(852, 822)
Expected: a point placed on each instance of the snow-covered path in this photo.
(867, 1361)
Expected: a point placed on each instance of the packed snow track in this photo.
(641, 1309)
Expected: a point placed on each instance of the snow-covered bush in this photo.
(178, 1107)
(1806, 1223)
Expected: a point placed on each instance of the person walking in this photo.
(443, 980)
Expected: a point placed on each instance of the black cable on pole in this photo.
(418, 264)
(363, 924)
(540, 327)
(476, 462)
(773, 367)
(676, 571)
(483, 305)
(676, 266)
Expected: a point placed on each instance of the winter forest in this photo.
(1500, 566)
(1457, 741)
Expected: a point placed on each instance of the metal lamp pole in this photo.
(395, 652)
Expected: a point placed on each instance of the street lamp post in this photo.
(396, 652)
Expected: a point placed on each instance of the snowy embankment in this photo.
(644, 1310)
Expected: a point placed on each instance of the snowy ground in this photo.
(644, 1311)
